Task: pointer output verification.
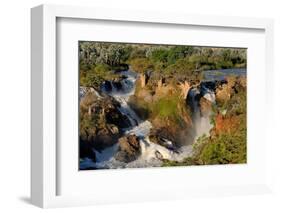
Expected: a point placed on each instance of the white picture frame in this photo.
(44, 174)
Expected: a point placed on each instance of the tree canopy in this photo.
(99, 59)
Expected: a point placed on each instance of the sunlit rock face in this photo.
(185, 87)
(142, 80)
(129, 149)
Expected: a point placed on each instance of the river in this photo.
(141, 128)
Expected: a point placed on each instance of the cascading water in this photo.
(208, 93)
(122, 95)
(201, 123)
(151, 153)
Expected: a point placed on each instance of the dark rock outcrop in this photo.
(155, 137)
(86, 151)
(101, 122)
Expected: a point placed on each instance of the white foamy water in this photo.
(148, 157)
(208, 94)
(123, 95)
(126, 110)
(202, 124)
(141, 130)
(210, 97)
(151, 154)
(106, 154)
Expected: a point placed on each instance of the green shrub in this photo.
(228, 147)
(141, 65)
(96, 75)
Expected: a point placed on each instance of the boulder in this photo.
(157, 139)
(223, 93)
(104, 138)
(101, 121)
(129, 149)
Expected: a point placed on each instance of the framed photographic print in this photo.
(150, 105)
(132, 106)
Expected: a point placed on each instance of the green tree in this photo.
(95, 76)
(141, 65)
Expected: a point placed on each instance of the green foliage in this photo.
(96, 75)
(237, 105)
(181, 62)
(223, 147)
(169, 55)
(166, 107)
(88, 124)
(160, 55)
(182, 67)
(171, 107)
(228, 147)
(189, 161)
(97, 61)
(113, 54)
(138, 52)
(224, 64)
(159, 67)
(141, 65)
(92, 53)
(179, 52)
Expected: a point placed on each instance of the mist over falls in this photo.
(150, 153)
(201, 122)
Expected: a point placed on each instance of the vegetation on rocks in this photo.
(100, 123)
(98, 60)
(166, 75)
(227, 141)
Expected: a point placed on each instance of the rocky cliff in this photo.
(161, 102)
(101, 122)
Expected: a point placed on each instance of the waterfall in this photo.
(151, 153)
(202, 124)
(126, 110)
(123, 94)
(208, 93)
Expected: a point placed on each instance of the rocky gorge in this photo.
(143, 120)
